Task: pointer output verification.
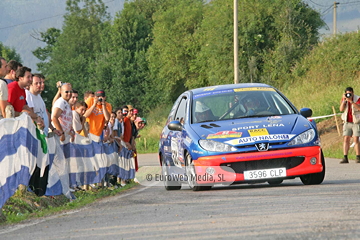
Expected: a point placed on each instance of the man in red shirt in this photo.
(350, 106)
(127, 112)
(17, 95)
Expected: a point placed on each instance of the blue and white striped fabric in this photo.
(19, 149)
(70, 164)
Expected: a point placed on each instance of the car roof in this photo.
(228, 86)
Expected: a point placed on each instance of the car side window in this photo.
(181, 111)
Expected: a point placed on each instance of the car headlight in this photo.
(213, 146)
(303, 138)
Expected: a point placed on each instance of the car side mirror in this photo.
(175, 126)
(306, 112)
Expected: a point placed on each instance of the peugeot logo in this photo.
(262, 146)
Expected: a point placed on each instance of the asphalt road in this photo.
(289, 211)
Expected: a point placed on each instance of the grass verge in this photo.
(27, 205)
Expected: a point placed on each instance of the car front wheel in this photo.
(191, 176)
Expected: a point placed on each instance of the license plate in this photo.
(265, 173)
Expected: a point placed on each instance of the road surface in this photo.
(289, 211)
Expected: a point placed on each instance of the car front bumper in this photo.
(231, 167)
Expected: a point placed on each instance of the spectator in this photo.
(134, 133)
(36, 103)
(42, 85)
(350, 107)
(139, 124)
(17, 95)
(78, 118)
(88, 94)
(74, 98)
(118, 127)
(61, 114)
(3, 67)
(108, 134)
(12, 67)
(3, 88)
(58, 93)
(38, 182)
(127, 134)
(97, 114)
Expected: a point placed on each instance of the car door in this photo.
(177, 137)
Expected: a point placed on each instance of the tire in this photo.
(275, 182)
(191, 176)
(169, 185)
(315, 178)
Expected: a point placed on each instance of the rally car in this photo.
(238, 133)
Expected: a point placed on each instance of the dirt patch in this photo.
(329, 134)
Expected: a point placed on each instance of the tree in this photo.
(69, 53)
(49, 37)
(174, 46)
(9, 53)
(122, 60)
(272, 36)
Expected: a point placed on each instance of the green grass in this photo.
(150, 135)
(27, 205)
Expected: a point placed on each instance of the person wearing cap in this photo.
(97, 114)
(140, 124)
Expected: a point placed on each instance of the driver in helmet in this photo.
(202, 112)
(252, 105)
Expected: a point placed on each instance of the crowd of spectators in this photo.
(93, 117)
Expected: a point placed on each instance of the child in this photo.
(79, 119)
(108, 129)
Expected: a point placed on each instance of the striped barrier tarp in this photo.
(69, 163)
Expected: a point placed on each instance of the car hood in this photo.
(251, 130)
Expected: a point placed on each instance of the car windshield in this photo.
(238, 103)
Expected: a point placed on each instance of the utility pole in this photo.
(236, 43)
(334, 17)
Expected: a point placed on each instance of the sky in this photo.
(22, 20)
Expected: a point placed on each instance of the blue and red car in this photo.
(238, 133)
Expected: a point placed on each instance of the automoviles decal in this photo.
(259, 126)
(272, 137)
(225, 134)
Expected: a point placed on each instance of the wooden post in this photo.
(337, 125)
(145, 143)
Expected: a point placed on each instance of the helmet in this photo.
(200, 107)
(202, 112)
